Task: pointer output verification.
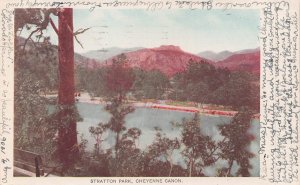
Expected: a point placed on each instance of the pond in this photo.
(146, 119)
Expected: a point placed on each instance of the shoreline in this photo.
(210, 112)
(85, 98)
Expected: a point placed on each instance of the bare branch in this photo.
(40, 36)
(33, 42)
(41, 24)
(75, 36)
(78, 41)
(80, 31)
(29, 37)
(53, 26)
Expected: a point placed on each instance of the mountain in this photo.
(247, 51)
(104, 54)
(168, 59)
(79, 60)
(223, 54)
(215, 56)
(86, 62)
(249, 62)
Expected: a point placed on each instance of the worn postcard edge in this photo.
(266, 147)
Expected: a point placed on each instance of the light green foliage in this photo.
(234, 147)
(92, 80)
(162, 149)
(199, 150)
(35, 74)
(150, 84)
(203, 83)
(97, 133)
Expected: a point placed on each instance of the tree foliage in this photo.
(36, 22)
(198, 149)
(203, 83)
(150, 84)
(161, 151)
(97, 132)
(35, 74)
(143, 84)
(119, 77)
(236, 142)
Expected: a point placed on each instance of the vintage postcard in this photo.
(149, 92)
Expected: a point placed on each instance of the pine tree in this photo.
(119, 80)
(66, 113)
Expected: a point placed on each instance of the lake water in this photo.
(146, 119)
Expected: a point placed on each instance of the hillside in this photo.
(245, 62)
(168, 59)
(220, 56)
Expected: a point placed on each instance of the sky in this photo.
(192, 30)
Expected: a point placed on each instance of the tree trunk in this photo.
(67, 146)
(171, 165)
(191, 167)
(229, 168)
(117, 167)
(117, 144)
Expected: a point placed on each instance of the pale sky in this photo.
(192, 30)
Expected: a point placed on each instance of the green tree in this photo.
(130, 156)
(96, 79)
(199, 150)
(197, 92)
(236, 92)
(150, 84)
(178, 86)
(36, 21)
(139, 79)
(162, 149)
(31, 124)
(235, 144)
(118, 110)
(155, 84)
(119, 80)
(35, 74)
(119, 77)
(198, 82)
(97, 133)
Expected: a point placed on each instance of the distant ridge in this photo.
(219, 56)
(106, 53)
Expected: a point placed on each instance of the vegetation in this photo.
(162, 149)
(36, 21)
(196, 150)
(32, 128)
(203, 83)
(235, 143)
(150, 84)
(200, 82)
(38, 71)
(118, 81)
